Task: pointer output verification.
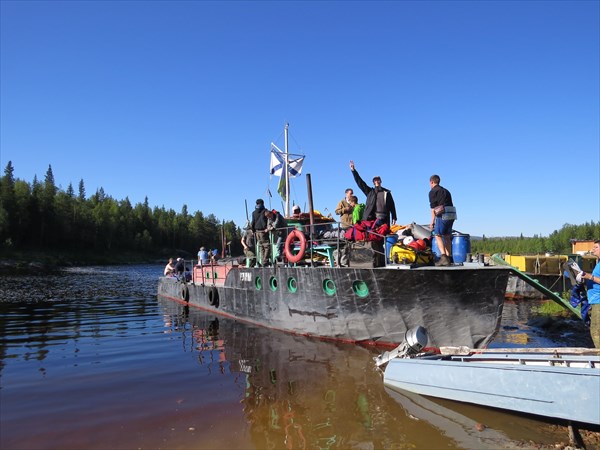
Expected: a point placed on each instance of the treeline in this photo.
(559, 242)
(39, 215)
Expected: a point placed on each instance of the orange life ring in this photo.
(289, 246)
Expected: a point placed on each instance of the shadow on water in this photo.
(92, 359)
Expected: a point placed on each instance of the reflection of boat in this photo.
(459, 305)
(560, 383)
(459, 427)
(306, 393)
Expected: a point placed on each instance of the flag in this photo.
(278, 161)
(281, 188)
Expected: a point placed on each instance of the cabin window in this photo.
(258, 283)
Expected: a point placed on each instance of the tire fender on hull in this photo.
(185, 293)
(213, 297)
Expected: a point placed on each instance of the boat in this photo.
(558, 383)
(366, 301)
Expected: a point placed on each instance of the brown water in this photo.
(92, 359)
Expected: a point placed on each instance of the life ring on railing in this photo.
(185, 293)
(213, 297)
(289, 246)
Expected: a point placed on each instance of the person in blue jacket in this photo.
(592, 281)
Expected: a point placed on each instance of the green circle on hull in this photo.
(292, 284)
(360, 288)
(329, 286)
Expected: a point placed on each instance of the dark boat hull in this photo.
(458, 305)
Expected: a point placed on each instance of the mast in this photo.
(287, 173)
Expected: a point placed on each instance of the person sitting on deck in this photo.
(179, 267)
(169, 268)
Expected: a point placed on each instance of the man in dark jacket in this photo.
(380, 203)
(259, 227)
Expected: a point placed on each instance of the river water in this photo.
(91, 358)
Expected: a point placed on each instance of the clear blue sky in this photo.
(179, 102)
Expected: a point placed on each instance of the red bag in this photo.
(363, 231)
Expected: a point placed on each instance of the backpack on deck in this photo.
(401, 254)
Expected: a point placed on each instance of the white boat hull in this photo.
(567, 387)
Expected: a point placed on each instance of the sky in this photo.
(179, 102)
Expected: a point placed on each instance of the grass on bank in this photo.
(551, 308)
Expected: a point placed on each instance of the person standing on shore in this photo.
(593, 295)
(443, 215)
(380, 203)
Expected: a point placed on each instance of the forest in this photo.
(40, 216)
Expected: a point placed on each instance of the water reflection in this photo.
(305, 393)
(92, 359)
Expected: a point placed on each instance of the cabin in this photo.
(580, 247)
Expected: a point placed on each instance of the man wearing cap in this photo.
(380, 203)
(259, 227)
(179, 266)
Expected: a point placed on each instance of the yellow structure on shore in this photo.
(548, 265)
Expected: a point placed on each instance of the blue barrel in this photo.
(434, 248)
(389, 243)
(461, 245)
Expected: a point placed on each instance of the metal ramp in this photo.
(536, 285)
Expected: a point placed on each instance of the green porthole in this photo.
(208, 275)
(292, 284)
(360, 288)
(258, 283)
(328, 286)
(273, 283)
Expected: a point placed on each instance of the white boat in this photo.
(561, 383)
